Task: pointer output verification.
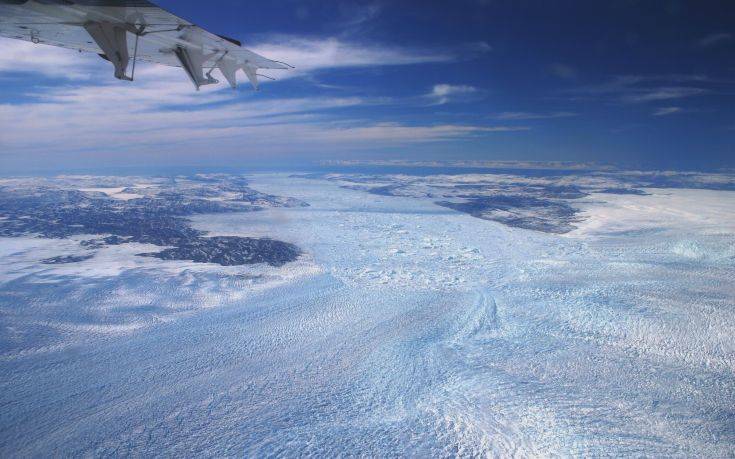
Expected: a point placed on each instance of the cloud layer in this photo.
(85, 109)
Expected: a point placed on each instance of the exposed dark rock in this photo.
(388, 190)
(66, 259)
(519, 211)
(157, 218)
(622, 191)
(231, 251)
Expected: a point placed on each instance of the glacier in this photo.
(404, 328)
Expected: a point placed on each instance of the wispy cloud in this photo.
(161, 112)
(84, 109)
(664, 93)
(50, 61)
(134, 124)
(665, 111)
(358, 14)
(309, 54)
(314, 54)
(515, 116)
(563, 71)
(442, 94)
(635, 89)
(714, 39)
(398, 133)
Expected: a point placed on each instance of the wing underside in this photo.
(123, 31)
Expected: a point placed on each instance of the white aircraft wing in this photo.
(125, 31)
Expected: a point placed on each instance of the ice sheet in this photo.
(408, 329)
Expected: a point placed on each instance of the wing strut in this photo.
(113, 41)
(252, 74)
(135, 56)
(192, 60)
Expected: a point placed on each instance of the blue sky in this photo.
(646, 83)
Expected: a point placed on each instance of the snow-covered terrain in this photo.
(404, 328)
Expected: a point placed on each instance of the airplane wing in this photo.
(125, 31)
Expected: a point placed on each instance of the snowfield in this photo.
(405, 328)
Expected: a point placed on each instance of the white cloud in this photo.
(162, 112)
(444, 90)
(714, 39)
(444, 93)
(664, 111)
(313, 54)
(106, 120)
(664, 93)
(50, 61)
(635, 89)
(533, 116)
(156, 112)
(397, 133)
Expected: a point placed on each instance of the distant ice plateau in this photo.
(539, 197)
(574, 313)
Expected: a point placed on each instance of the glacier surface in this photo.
(404, 328)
